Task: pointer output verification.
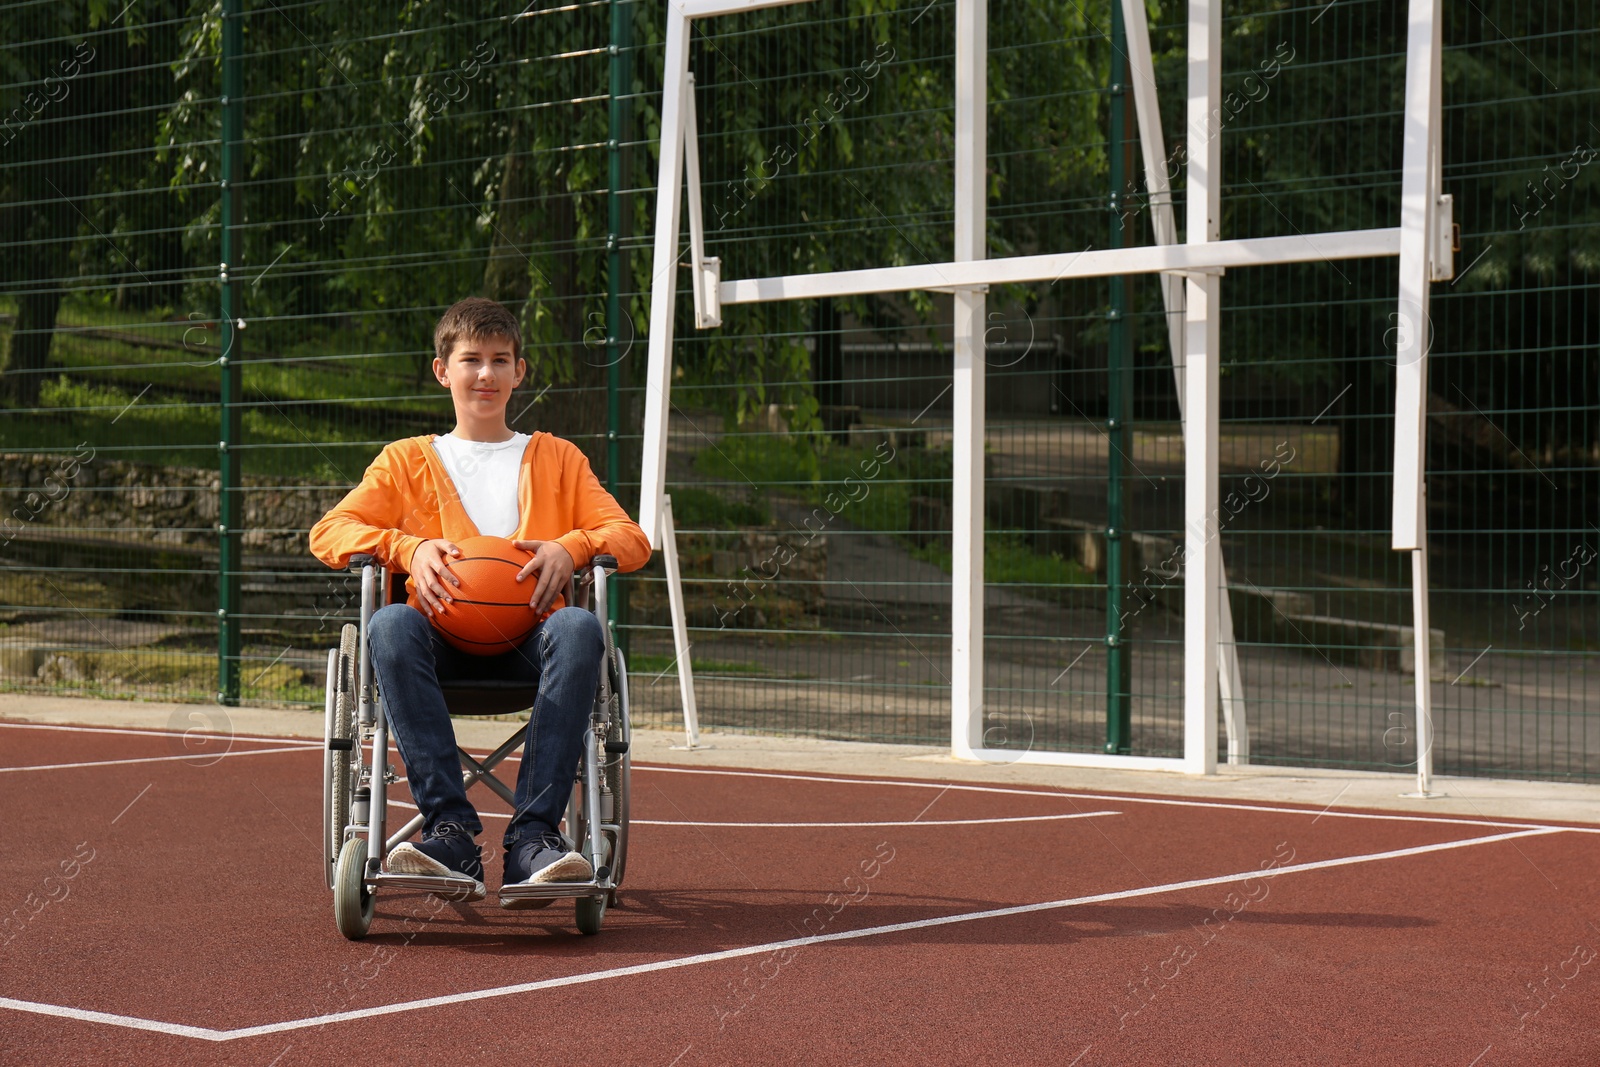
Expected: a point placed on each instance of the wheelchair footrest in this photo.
(443, 885)
(555, 890)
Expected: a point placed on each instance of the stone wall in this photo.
(763, 578)
(179, 505)
(122, 519)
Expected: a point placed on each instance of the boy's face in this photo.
(480, 374)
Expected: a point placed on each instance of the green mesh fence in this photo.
(303, 187)
(110, 422)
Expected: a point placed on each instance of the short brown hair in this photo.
(475, 319)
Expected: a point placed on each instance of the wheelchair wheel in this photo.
(618, 771)
(591, 913)
(353, 903)
(339, 756)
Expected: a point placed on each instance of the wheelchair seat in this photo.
(487, 697)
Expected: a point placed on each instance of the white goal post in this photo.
(1192, 283)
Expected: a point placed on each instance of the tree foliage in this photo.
(400, 156)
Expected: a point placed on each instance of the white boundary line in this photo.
(311, 744)
(824, 825)
(207, 759)
(907, 822)
(1125, 798)
(154, 733)
(208, 1034)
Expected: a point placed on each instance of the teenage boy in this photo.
(417, 499)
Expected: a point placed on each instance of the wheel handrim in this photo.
(339, 761)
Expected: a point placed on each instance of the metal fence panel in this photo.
(391, 160)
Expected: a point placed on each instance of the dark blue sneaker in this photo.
(447, 849)
(541, 861)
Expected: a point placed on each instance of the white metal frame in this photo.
(1425, 224)
(1191, 273)
(680, 628)
(1163, 222)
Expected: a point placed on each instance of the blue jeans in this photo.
(562, 657)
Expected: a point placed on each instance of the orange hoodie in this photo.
(406, 498)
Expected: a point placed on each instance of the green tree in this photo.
(82, 86)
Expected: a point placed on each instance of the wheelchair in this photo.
(357, 774)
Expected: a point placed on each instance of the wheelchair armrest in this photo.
(583, 579)
(360, 560)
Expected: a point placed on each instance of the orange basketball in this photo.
(489, 613)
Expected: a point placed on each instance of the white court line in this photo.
(155, 733)
(304, 744)
(822, 825)
(207, 756)
(1121, 798)
(1049, 793)
(207, 1034)
(908, 822)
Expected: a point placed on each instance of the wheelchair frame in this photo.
(355, 792)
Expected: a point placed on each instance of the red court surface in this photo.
(166, 906)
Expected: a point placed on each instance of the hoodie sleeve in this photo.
(600, 526)
(372, 518)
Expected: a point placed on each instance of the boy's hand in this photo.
(555, 567)
(430, 572)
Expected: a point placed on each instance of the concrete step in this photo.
(1375, 645)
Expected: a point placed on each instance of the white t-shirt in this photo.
(485, 476)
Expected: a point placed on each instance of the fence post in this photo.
(618, 125)
(1119, 435)
(1202, 315)
(621, 83)
(229, 508)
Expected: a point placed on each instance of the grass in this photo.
(875, 492)
(877, 496)
(1008, 560)
(181, 433)
(694, 508)
(162, 405)
(326, 370)
(766, 459)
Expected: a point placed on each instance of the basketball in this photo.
(489, 613)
